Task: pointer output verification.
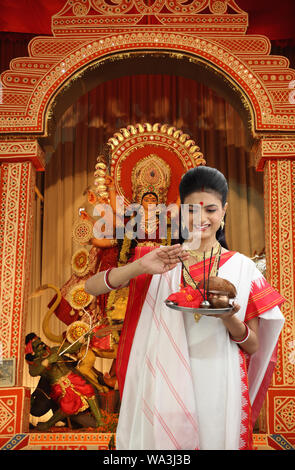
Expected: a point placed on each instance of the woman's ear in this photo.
(225, 208)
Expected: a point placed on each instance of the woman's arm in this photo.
(157, 261)
(238, 330)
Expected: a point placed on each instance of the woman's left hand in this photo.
(230, 313)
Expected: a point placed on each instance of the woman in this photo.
(184, 383)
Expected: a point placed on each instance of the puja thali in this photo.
(201, 311)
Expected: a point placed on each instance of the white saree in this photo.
(184, 386)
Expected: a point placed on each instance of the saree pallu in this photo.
(187, 385)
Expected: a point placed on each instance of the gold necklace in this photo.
(199, 255)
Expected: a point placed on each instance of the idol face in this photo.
(212, 213)
(149, 199)
(40, 349)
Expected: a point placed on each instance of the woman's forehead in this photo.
(204, 198)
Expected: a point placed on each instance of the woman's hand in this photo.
(157, 261)
(238, 330)
(227, 315)
(162, 259)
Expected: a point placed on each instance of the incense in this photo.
(218, 261)
(204, 275)
(209, 272)
(196, 286)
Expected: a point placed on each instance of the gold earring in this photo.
(222, 224)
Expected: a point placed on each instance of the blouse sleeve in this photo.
(262, 297)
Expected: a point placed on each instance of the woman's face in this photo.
(149, 199)
(212, 213)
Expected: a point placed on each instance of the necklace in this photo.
(199, 255)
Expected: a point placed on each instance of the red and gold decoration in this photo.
(78, 298)
(80, 262)
(99, 29)
(82, 231)
(212, 33)
(150, 154)
(99, 178)
(76, 330)
(279, 177)
(14, 410)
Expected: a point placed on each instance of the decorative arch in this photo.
(212, 33)
(31, 83)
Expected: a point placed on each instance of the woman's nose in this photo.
(203, 216)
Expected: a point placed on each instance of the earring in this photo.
(222, 224)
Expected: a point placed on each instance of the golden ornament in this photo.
(82, 231)
(80, 262)
(78, 298)
(75, 330)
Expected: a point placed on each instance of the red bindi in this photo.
(201, 203)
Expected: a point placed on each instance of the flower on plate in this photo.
(187, 297)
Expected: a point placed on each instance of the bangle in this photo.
(107, 282)
(247, 334)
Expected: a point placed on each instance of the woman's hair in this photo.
(205, 178)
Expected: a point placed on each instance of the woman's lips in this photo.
(202, 227)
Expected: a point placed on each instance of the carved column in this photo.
(18, 161)
(277, 158)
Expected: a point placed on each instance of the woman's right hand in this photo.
(162, 259)
(157, 261)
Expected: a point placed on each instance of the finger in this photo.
(171, 248)
(236, 306)
(168, 267)
(179, 253)
(169, 259)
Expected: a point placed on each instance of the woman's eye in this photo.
(211, 210)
